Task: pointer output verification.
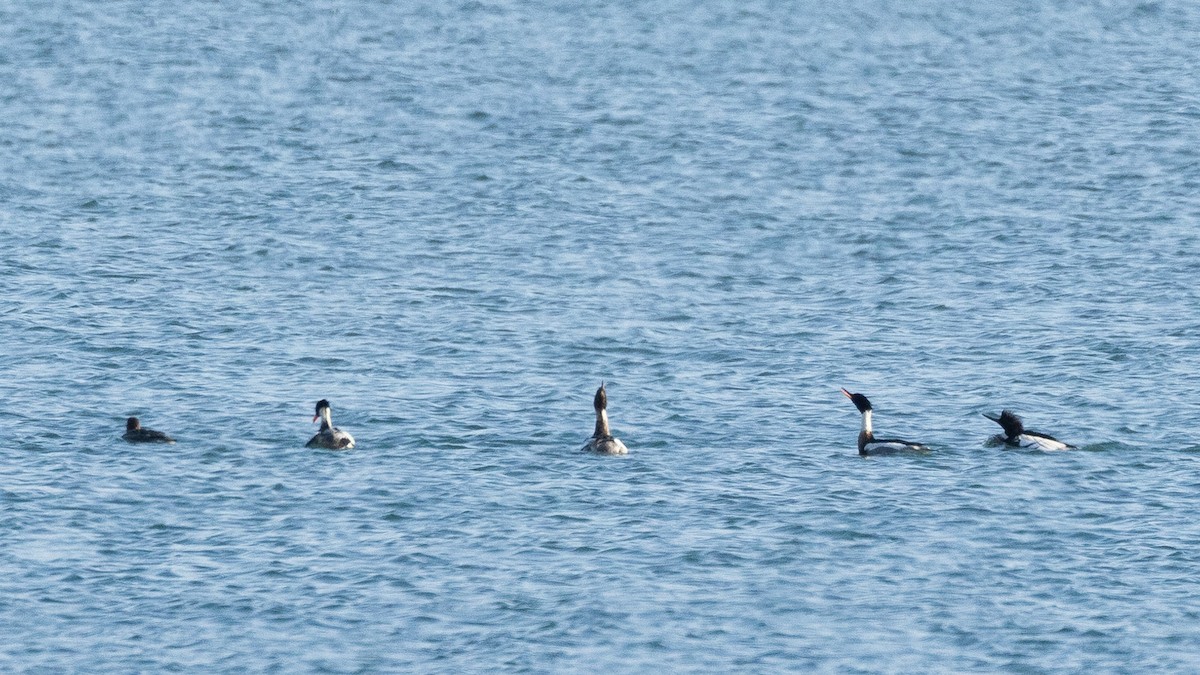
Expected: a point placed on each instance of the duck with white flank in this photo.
(329, 436)
(1016, 435)
(602, 441)
(134, 433)
(868, 444)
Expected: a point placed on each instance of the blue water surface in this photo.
(454, 220)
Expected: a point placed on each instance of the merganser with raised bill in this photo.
(134, 433)
(868, 444)
(1016, 435)
(329, 436)
(602, 441)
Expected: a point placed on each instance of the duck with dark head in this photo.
(329, 437)
(867, 443)
(602, 440)
(135, 433)
(1017, 436)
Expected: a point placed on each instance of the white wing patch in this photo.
(1041, 443)
(892, 447)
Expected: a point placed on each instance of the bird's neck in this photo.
(865, 436)
(601, 424)
(326, 422)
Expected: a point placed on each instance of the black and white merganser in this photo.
(602, 441)
(329, 436)
(1016, 435)
(134, 433)
(868, 444)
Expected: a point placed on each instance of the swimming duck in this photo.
(602, 441)
(329, 436)
(1016, 435)
(134, 433)
(867, 443)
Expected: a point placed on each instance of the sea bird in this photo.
(134, 433)
(602, 441)
(329, 436)
(1016, 435)
(867, 443)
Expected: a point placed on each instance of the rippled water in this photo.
(455, 220)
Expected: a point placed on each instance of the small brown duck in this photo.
(134, 433)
